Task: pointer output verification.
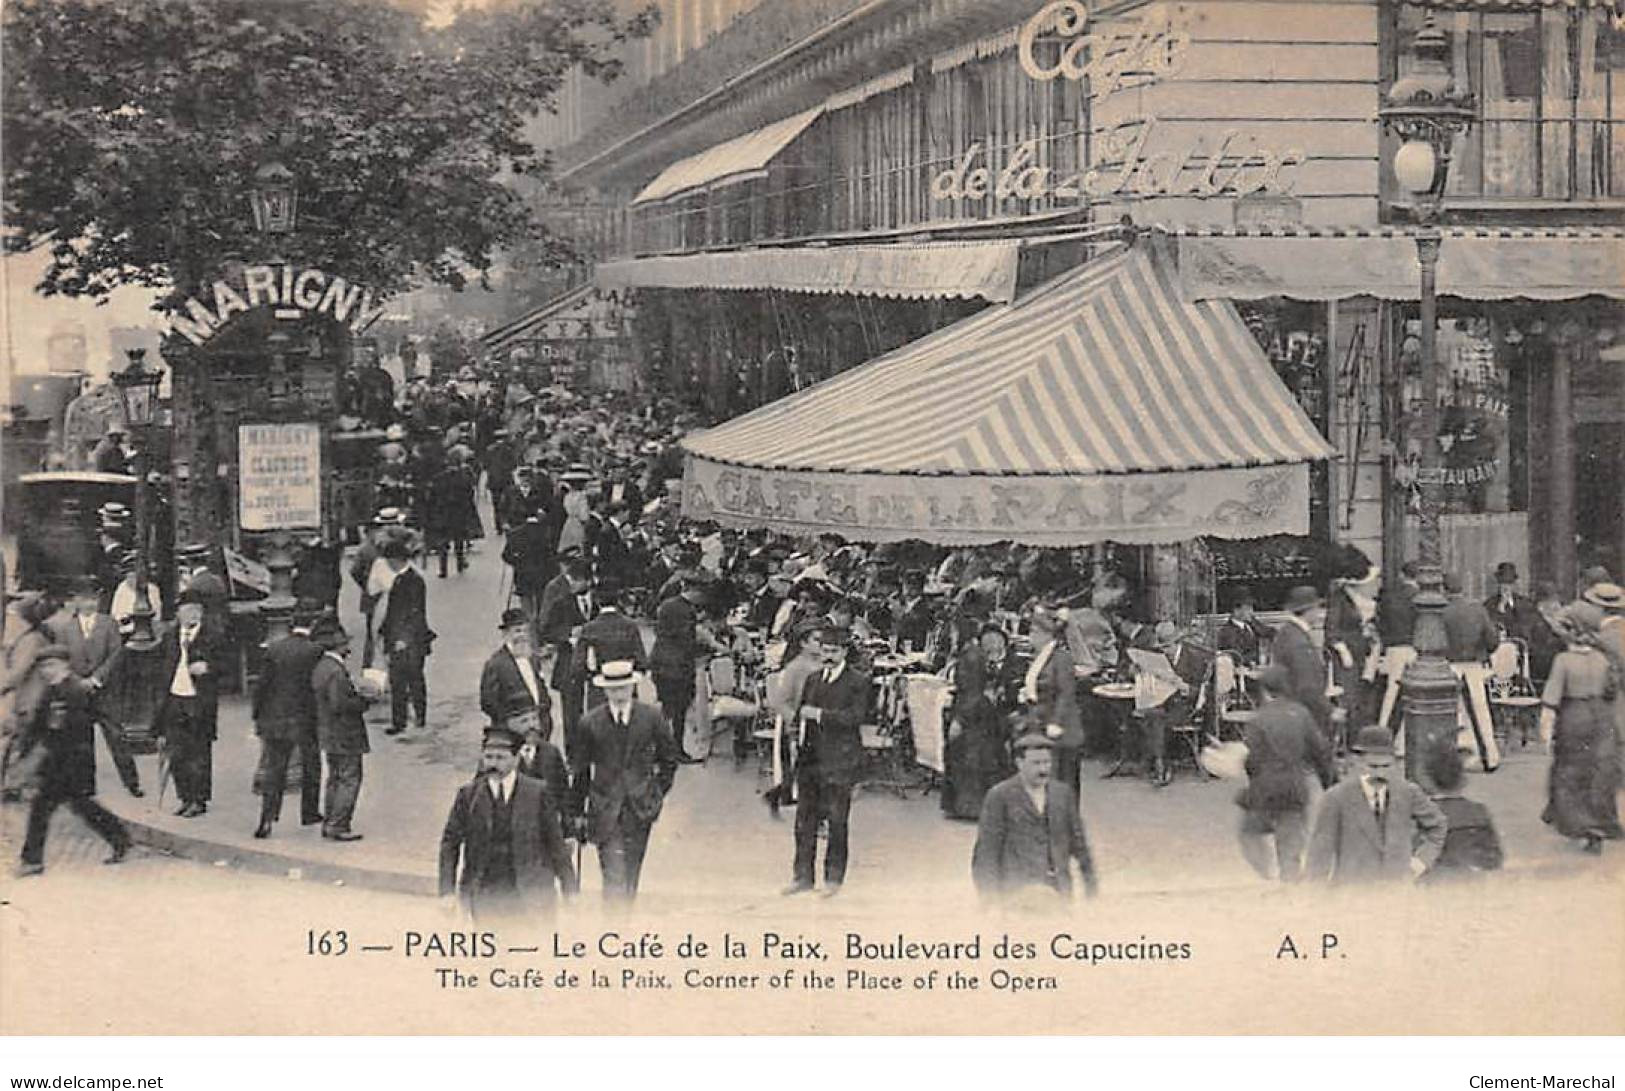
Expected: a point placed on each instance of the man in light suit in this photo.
(834, 703)
(512, 677)
(1375, 826)
(93, 643)
(1030, 831)
(1294, 649)
(504, 830)
(622, 764)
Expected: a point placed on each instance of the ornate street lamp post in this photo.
(137, 387)
(1426, 111)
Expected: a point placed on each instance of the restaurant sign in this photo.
(279, 481)
(291, 290)
(1057, 510)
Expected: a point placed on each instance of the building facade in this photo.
(905, 164)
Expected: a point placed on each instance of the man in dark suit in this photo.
(541, 760)
(678, 647)
(1243, 636)
(190, 657)
(566, 604)
(622, 765)
(1374, 826)
(529, 552)
(341, 728)
(1284, 747)
(504, 831)
(523, 499)
(93, 642)
(1512, 611)
(1294, 649)
(1030, 831)
(406, 637)
(512, 678)
(834, 703)
(64, 723)
(609, 637)
(285, 720)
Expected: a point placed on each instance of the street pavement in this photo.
(715, 844)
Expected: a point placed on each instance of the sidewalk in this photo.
(715, 844)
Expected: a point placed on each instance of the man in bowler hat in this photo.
(190, 654)
(285, 720)
(512, 677)
(502, 851)
(341, 728)
(1294, 650)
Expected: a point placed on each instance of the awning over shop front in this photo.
(529, 325)
(968, 270)
(1103, 407)
(737, 160)
(1325, 264)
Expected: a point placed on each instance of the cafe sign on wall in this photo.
(1127, 158)
(279, 476)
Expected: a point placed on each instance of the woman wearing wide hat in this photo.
(1579, 723)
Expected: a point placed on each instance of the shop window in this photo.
(1550, 88)
(1483, 414)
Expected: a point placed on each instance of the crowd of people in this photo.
(1032, 643)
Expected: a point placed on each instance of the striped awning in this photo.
(732, 161)
(529, 324)
(1103, 407)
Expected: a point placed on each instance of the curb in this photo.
(278, 864)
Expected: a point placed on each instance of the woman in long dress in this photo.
(1578, 720)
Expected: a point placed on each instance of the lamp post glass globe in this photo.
(1416, 166)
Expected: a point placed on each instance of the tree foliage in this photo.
(133, 129)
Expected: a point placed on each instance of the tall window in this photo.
(1550, 85)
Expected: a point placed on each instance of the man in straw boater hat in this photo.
(623, 760)
(503, 829)
(1374, 826)
(1030, 831)
(1294, 649)
(834, 702)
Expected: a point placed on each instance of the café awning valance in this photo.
(1322, 264)
(1103, 407)
(737, 160)
(946, 270)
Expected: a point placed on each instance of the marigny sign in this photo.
(288, 288)
(1128, 160)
